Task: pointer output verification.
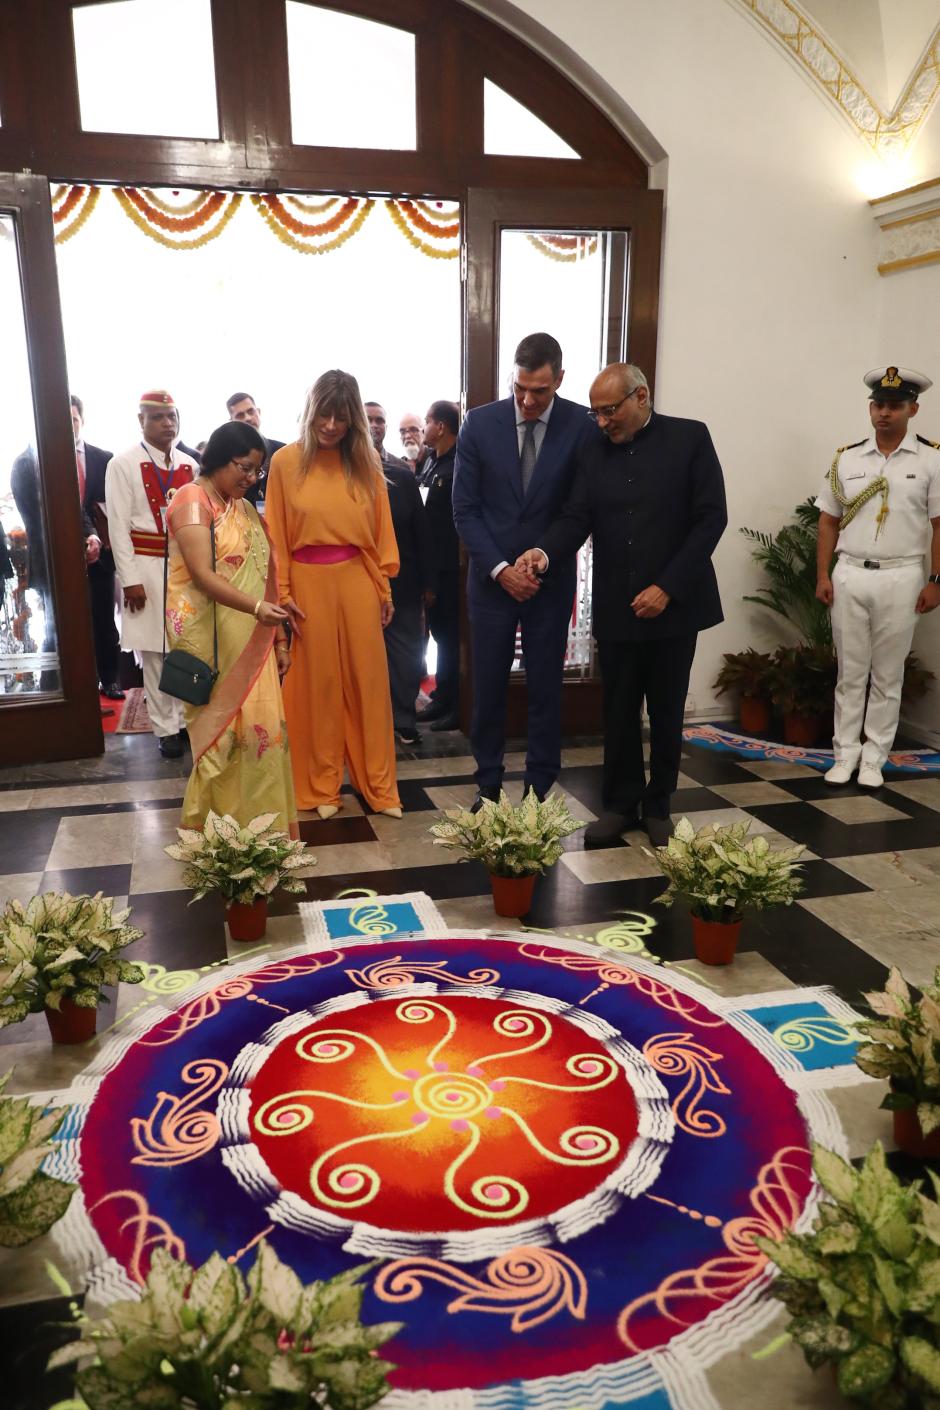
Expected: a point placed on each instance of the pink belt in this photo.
(324, 552)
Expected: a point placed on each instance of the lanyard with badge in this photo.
(164, 480)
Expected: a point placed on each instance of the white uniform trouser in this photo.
(873, 622)
(165, 711)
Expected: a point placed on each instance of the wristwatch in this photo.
(934, 578)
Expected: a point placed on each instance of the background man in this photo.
(242, 407)
(378, 423)
(411, 435)
(652, 493)
(411, 590)
(136, 487)
(879, 495)
(437, 480)
(515, 464)
(91, 462)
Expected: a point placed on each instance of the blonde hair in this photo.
(336, 393)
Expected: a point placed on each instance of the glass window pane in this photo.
(352, 81)
(29, 663)
(146, 67)
(582, 278)
(510, 130)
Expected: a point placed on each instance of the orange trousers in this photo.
(336, 693)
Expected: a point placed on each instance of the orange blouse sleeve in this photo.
(190, 505)
(275, 513)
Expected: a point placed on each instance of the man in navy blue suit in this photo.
(514, 469)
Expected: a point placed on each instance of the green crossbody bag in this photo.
(183, 675)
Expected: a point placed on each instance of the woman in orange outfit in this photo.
(328, 516)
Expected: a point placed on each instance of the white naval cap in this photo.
(896, 383)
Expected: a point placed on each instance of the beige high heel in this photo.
(390, 812)
(327, 810)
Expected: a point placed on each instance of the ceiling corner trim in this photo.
(816, 54)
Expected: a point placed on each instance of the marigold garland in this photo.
(415, 218)
(91, 200)
(275, 206)
(432, 213)
(311, 207)
(211, 202)
(142, 223)
(268, 215)
(185, 209)
(64, 209)
(566, 249)
(430, 250)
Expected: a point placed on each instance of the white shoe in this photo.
(327, 810)
(869, 776)
(839, 773)
(390, 812)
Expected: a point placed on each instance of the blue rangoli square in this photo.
(397, 918)
(814, 1037)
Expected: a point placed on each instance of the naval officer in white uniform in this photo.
(137, 483)
(881, 496)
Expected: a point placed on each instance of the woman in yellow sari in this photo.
(241, 763)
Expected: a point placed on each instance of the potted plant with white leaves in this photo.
(904, 1046)
(30, 1200)
(210, 1339)
(515, 843)
(56, 954)
(243, 864)
(721, 873)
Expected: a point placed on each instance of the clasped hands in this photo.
(531, 564)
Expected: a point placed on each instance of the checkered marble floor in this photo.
(872, 899)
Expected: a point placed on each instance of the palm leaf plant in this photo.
(789, 560)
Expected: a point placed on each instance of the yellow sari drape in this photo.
(241, 763)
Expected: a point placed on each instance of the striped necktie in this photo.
(528, 456)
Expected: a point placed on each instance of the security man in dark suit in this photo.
(91, 462)
(242, 406)
(652, 494)
(411, 590)
(437, 481)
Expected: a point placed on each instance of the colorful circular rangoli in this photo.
(559, 1160)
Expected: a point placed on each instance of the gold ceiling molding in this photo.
(908, 227)
(818, 56)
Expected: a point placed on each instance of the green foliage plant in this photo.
(803, 680)
(749, 672)
(509, 840)
(904, 1046)
(241, 863)
(30, 1201)
(789, 560)
(59, 947)
(862, 1287)
(209, 1338)
(721, 873)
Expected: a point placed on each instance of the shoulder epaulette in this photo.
(935, 445)
(851, 445)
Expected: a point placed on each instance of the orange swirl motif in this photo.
(532, 1285)
(176, 1131)
(141, 1222)
(664, 995)
(776, 1205)
(191, 1015)
(393, 972)
(674, 1054)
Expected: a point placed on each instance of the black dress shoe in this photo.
(607, 830)
(171, 746)
(408, 736)
(445, 722)
(432, 711)
(485, 795)
(658, 830)
(112, 691)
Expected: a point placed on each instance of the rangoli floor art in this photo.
(749, 746)
(558, 1160)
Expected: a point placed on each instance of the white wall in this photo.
(770, 296)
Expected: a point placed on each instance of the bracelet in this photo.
(257, 607)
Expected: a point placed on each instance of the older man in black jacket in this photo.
(652, 494)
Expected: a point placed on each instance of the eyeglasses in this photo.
(598, 413)
(251, 470)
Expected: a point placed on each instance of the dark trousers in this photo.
(104, 628)
(631, 671)
(404, 647)
(544, 619)
(444, 624)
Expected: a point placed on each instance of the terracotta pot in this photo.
(71, 1024)
(909, 1138)
(803, 730)
(247, 922)
(715, 941)
(754, 714)
(512, 895)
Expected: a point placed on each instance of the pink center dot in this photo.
(440, 1067)
(492, 1112)
(412, 1072)
(494, 1192)
(399, 1096)
(419, 1118)
(497, 1086)
(584, 1143)
(347, 1181)
(475, 1071)
(451, 1096)
(460, 1125)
